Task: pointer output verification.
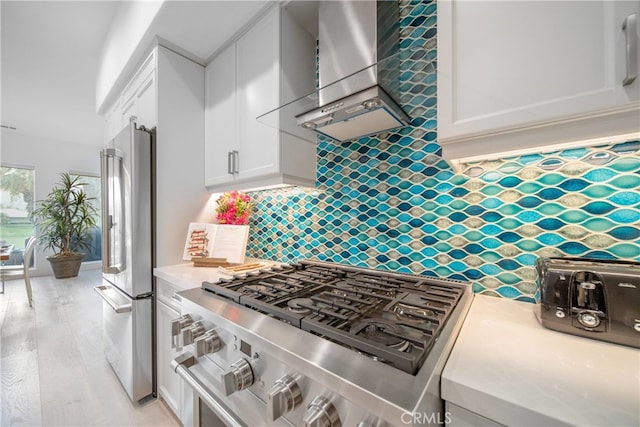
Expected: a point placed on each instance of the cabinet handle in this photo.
(230, 162)
(630, 28)
(236, 161)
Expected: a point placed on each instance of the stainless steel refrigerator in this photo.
(127, 290)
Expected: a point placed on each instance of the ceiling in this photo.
(50, 54)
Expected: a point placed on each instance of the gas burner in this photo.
(294, 281)
(383, 332)
(345, 286)
(391, 317)
(356, 287)
(340, 292)
(338, 298)
(411, 313)
(300, 305)
(253, 289)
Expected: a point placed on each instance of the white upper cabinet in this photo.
(522, 74)
(139, 96)
(113, 121)
(220, 129)
(138, 99)
(258, 88)
(246, 80)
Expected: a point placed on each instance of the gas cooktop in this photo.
(391, 317)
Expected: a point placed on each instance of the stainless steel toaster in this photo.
(598, 299)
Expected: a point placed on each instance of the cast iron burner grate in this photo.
(391, 317)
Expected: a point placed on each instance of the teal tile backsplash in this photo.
(391, 202)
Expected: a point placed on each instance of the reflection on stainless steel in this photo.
(359, 344)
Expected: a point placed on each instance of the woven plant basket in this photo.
(66, 266)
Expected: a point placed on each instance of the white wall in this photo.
(49, 158)
(127, 35)
(181, 195)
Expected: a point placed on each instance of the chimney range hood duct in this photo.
(359, 75)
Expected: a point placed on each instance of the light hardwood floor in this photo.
(53, 368)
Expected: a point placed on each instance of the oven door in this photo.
(200, 414)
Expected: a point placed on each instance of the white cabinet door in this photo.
(129, 109)
(169, 384)
(142, 104)
(513, 65)
(258, 71)
(244, 82)
(146, 102)
(139, 97)
(220, 118)
(113, 121)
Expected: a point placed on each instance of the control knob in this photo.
(588, 319)
(283, 397)
(370, 422)
(177, 325)
(208, 343)
(238, 377)
(192, 332)
(321, 413)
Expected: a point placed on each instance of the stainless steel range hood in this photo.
(359, 75)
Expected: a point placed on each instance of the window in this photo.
(92, 187)
(16, 204)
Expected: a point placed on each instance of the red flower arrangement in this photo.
(233, 208)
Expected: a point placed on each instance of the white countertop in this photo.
(507, 367)
(186, 276)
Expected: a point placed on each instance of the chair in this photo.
(13, 272)
(28, 253)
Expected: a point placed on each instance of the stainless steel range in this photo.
(319, 344)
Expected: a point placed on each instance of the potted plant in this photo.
(64, 220)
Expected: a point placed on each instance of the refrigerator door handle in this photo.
(103, 291)
(112, 252)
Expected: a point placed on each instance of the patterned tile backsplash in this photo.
(391, 202)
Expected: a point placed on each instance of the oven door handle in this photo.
(181, 366)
